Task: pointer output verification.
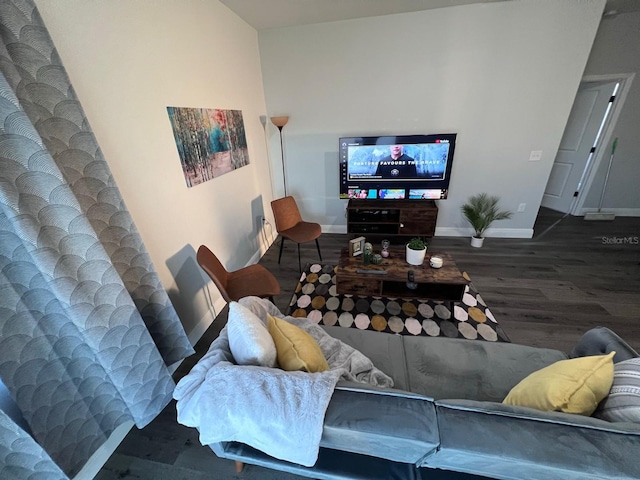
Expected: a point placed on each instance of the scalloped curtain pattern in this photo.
(86, 329)
(21, 458)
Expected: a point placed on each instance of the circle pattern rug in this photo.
(315, 298)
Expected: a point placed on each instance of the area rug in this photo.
(315, 298)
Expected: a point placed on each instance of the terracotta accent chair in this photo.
(290, 225)
(252, 280)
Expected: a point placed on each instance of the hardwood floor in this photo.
(546, 291)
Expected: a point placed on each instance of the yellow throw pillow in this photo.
(576, 385)
(297, 350)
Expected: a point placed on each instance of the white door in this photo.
(578, 144)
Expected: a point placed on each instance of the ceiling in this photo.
(263, 14)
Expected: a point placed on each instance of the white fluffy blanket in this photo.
(280, 413)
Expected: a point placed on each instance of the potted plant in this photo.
(416, 251)
(481, 211)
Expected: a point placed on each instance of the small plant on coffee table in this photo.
(416, 251)
(417, 244)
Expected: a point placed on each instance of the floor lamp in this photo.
(281, 122)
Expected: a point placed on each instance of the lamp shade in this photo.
(279, 121)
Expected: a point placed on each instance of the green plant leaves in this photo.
(481, 211)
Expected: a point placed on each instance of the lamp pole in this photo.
(280, 122)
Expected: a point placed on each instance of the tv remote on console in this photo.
(377, 272)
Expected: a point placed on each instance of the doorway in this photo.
(585, 141)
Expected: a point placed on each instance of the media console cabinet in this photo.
(399, 219)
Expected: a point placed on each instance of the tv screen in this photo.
(413, 167)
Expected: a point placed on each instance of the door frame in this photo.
(625, 80)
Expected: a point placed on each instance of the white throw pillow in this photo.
(249, 338)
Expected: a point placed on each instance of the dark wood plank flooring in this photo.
(545, 291)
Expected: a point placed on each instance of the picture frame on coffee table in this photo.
(356, 246)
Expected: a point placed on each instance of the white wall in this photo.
(128, 61)
(502, 75)
(616, 50)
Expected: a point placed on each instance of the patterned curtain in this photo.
(21, 458)
(86, 329)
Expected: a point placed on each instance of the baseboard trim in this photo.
(455, 231)
(334, 228)
(102, 454)
(618, 212)
(492, 232)
(205, 322)
(255, 258)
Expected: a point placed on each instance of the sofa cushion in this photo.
(510, 442)
(380, 422)
(470, 369)
(386, 351)
(249, 339)
(576, 385)
(296, 349)
(623, 402)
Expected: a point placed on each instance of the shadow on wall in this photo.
(263, 231)
(193, 296)
(191, 282)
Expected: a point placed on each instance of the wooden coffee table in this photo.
(445, 283)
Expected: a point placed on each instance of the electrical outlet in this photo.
(535, 156)
(522, 207)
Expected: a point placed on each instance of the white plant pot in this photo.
(477, 241)
(415, 257)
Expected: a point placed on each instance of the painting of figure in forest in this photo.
(211, 142)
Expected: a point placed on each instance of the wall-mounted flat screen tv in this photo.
(411, 167)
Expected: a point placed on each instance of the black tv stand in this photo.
(393, 219)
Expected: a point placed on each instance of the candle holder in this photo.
(385, 248)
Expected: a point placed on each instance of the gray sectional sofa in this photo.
(445, 412)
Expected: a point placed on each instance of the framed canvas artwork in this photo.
(210, 142)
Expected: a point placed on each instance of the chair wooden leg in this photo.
(239, 466)
(299, 264)
(281, 245)
(318, 245)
